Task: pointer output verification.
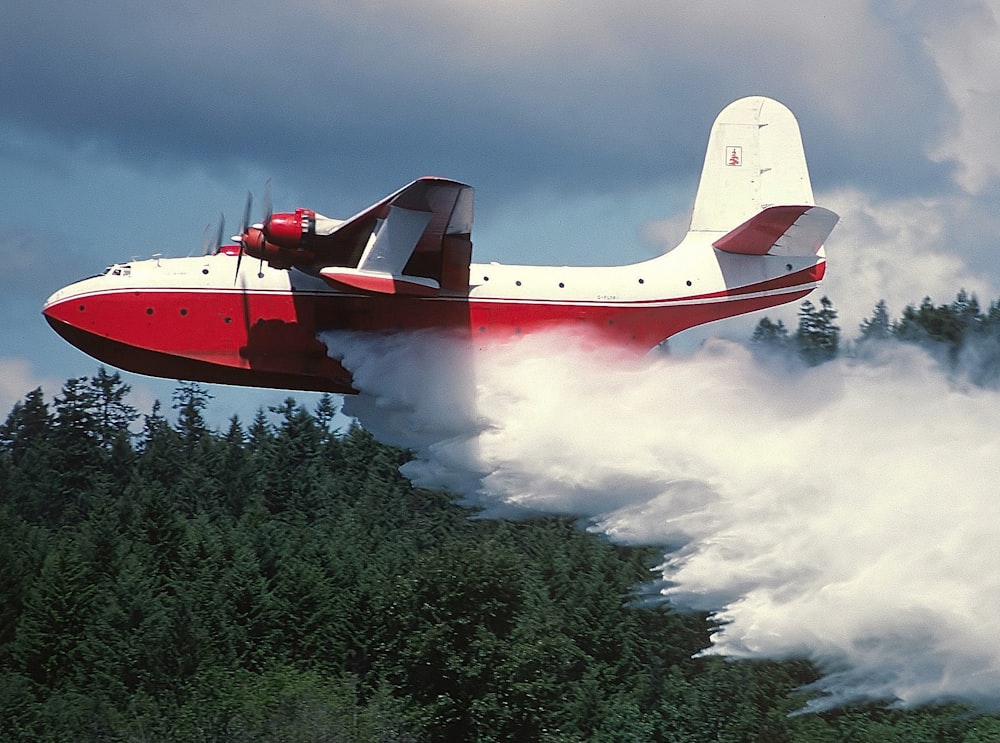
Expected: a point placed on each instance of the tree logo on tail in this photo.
(734, 156)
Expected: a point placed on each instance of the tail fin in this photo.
(755, 160)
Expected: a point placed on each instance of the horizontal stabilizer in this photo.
(781, 230)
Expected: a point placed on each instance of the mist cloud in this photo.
(844, 513)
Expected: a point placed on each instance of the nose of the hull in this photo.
(56, 308)
(65, 305)
(48, 309)
(57, 325)
(58, 312)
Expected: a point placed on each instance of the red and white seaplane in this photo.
(404, 264)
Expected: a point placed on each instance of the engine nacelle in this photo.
(290, 230)
(293, 239)
(282, 239)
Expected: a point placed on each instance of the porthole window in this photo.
(688, 282)
(518, 283)
(183, 312)
(205, 271)
(642, 281)
(149, 310)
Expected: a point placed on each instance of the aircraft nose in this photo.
(53, 305)
(52, 301)
(62, 306)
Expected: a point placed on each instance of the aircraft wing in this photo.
(414, 241)
(781, 230)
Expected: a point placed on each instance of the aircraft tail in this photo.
(755, 160)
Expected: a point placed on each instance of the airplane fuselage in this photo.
(187, 318)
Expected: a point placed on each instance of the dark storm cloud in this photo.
(37, 261)
(570, 99)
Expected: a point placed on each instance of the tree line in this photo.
(280, 580)
(960, 333)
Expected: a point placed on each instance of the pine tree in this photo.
(878, 327)
(818, 336)
(28, 424)
(81, 469)
(114, 415)
(22, 550)
(296, 480)
(770, 335)
(190, 401)
(58, 609)
(30, 458)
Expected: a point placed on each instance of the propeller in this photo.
(268, 211)
(206, 246)
(241, 238)
(219, 233)
(212, 247)
(245, 225)
(263, 224)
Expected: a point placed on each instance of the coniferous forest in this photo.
(281, 581)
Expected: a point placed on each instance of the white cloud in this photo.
(17, 378)
(964, 41)
(899, 250)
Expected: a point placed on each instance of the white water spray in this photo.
(846, 513)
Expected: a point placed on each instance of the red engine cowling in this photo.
(282, 240)
(287, 230)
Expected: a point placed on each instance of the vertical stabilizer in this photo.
(754, 160)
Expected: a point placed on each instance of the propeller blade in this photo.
(242, 236)
(219, 233)
(267, 203)
(246, 213)
(239, 260)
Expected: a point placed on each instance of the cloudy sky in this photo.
(126, 127)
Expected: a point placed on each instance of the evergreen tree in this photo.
(114, 415)
(770, 335)
(190, 401)
(29, 456)
(22, 549)
(878, 327)
(58, 609)
(325, 412)
(817, 337)
(28, 425)
(81, 468)
(946, 328)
